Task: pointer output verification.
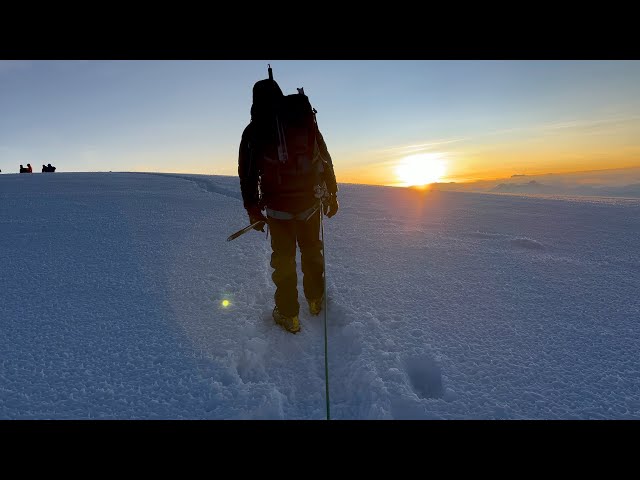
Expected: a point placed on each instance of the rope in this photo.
(326, 356)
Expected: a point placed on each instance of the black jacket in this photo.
(248, 171)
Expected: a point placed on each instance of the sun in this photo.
(421, 169)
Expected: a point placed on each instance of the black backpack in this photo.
(290, 162)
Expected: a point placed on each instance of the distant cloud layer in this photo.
(606, 183)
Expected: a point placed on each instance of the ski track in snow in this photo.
(441, 305)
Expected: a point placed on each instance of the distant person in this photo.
(295, 189)
(50, 168)
(23, 169)
(44, 168)
(30, 170)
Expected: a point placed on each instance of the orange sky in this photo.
(553, 148)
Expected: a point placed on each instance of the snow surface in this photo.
(442, 305)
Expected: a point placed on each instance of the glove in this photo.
(330, 206)
(255, 215)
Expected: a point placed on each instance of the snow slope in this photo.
(442, 305)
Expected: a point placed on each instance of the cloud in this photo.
(590, 122)
(567, 125)
(619, 182)
(391, 154)
(422, 147)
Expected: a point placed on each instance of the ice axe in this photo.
(244, 230)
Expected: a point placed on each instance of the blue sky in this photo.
(484, 117)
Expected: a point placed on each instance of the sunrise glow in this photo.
(420, 169)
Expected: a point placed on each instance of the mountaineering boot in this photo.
(315, 305)
(290, 324)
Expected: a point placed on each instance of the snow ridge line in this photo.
(206, 185)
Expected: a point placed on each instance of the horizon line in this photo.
(395, 185)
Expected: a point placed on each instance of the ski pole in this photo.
(326, 341)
